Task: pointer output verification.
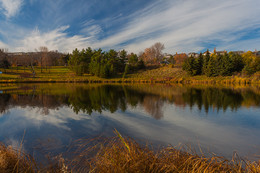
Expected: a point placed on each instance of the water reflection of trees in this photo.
(112, 98)
(211, 97)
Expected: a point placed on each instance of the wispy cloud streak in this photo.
(183, 26)
(11, 7)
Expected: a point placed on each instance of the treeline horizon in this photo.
(112, 63)
(225, 64)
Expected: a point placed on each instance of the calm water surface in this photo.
(51, 116)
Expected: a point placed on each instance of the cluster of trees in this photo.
(222, 64)
(103, 64)
(4, 63)
(42, 58)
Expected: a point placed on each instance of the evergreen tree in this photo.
(211, 67)
(75, 62)
(205, 62)
(237, 63)
(96, 63)
(199, 64)
(189, 66)
(226, 65)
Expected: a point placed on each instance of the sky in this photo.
(181, 25)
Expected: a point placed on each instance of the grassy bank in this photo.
(119, 154)
(165, 74)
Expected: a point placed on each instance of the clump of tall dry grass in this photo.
(125, 155)
(12, 160)
(15, 161)
(119, 154)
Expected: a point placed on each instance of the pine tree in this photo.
(199, 64)
(205, 62)
(189, 66)
(211, 70)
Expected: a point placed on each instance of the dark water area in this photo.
(51, 117)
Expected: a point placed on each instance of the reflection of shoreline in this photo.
(98, 98)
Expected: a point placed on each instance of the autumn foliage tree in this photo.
(153, 55)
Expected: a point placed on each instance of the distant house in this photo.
(221, 52)
(205, 53)
(165, 62)
(238, 52)
(193, 54)
(257, 53)
(167, 56)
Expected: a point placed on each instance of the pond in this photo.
(47, 118)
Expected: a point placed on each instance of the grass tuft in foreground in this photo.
(121, 154)
(125, 155)
(15, 161)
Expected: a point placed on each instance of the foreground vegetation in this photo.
(119, 154)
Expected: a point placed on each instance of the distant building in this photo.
(257, 53)
(221, 52)
(195, 55)
(205, 53)
(238, 52)
(167, 56)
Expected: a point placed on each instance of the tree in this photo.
(157, 49)
(75, 62)
(205, 62)
(251, 62)
(122, 60)
(4, 63)
(189, 66)
(236, 62)
(179, 59)
(225, 65)
(95, 64)
(132, 59)
(44, 56)
(153, 55)
(210, 70)
(199, 64)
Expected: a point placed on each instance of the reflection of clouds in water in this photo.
(32, 117)
(224, 132)
(223, 136)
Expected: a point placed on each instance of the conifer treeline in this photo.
(222, 64)
(103, 64)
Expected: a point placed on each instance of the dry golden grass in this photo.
(125, 155)
(15, 161)
(120, 154)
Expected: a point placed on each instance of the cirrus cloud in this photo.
(11, 7)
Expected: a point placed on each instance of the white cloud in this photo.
(55, 40)
(183, 26)
(11, 7)
(186, 25)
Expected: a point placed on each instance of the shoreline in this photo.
(242, 81)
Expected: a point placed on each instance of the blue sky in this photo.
(181, 25)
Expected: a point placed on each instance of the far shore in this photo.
(164, 74)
